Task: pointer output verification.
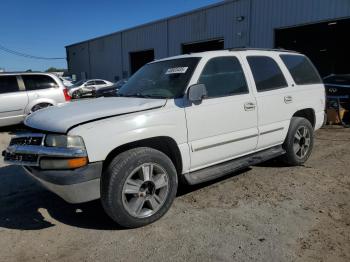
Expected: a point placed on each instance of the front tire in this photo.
(76, 94)
(138, 187)
(299, 142)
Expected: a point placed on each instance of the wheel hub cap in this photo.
(302, 140)
(145, 190)
(148, 188)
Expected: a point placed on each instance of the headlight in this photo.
(64, 141)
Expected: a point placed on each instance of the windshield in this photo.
(165, 79)
(79, 83)
(337, 79)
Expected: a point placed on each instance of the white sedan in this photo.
(87, 87)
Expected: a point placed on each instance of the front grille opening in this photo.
(21, 157)
(32, 141)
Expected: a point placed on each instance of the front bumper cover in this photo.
(74, 186)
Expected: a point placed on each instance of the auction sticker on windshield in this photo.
(176, 70)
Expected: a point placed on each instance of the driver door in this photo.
(224, 125)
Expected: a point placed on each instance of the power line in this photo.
(2, 48)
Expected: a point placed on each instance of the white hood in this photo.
(60, 118)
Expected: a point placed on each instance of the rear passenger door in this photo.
(274, 98)
(40, 86)
(308, 91)
(224, 125)
(13, 100)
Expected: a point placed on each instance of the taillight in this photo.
(66, 95)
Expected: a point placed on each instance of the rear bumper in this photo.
(74, 186)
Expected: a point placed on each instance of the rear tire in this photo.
(138, 187)
(299, 142)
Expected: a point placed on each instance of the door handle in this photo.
(249, 106)
(288, 99)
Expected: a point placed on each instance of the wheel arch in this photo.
(307, 113)
(39, 101)
(165, 144)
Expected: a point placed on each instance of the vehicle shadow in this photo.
(13, 129)
(25, 205)
(277, 163)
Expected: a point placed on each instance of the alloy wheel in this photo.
(145, 190)
(302, 140)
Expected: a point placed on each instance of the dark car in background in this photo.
(338, 88)
(110, 90)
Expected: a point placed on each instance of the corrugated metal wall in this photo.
(143, 38)
(268, 15)
(215, 22)
(109, 55)
(105, 56)
(78, 59)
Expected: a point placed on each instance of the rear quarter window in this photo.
(266, 72)
(301, 69)
(8, 84)
(38, 82)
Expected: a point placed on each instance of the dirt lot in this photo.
(266, 213)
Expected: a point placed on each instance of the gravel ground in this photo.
(265, 213)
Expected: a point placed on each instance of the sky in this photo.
(43, 27)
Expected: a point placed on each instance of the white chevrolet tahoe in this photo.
(191, 117)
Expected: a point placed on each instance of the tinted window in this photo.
(99, 82)
(266, 72)
(223, 76)
(337, 79)
(37, 82)
(90, 83)
(301, 69)
(8, 84)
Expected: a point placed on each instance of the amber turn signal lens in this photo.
(77, 162)
(57, 164)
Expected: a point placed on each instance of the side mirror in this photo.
(197, 92)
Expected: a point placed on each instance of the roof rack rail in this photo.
(261, 49)
(22, 72)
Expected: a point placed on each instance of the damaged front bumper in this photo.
(73, 185)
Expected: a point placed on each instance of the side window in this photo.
(99, 82)
(266, 73)
(223, 76)
(8, 84)
(37, 82)
(301, 69)
(90, 83)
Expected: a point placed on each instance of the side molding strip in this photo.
(271, 131)
(222, 143)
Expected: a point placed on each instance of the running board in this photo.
(225, 168)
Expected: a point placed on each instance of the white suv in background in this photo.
(24, 93)
(192, 118)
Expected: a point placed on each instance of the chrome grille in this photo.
(27, 140)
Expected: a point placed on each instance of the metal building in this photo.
(318, 28)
